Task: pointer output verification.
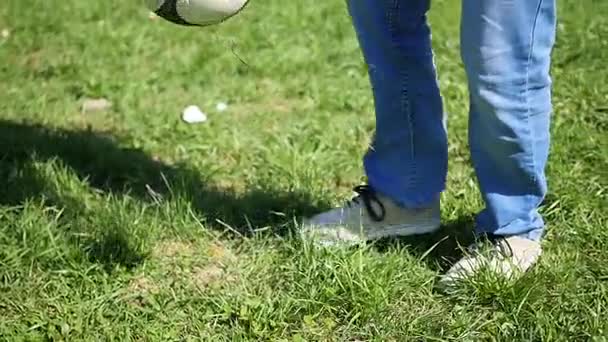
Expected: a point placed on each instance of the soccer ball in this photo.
(196, 12)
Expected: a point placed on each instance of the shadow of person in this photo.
(106, 166)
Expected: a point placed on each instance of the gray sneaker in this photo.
(509, 257)
(370, 216)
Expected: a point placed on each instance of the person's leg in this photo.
(506, 48)
(407, 160)
(407, 163)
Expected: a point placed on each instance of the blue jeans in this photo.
(506, 49)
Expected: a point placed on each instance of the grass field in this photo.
(129, 224)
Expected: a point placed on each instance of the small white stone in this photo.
(5, 33)
(96, 105)
(221, 106)
(193, 114)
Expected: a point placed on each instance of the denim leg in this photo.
(506, 48)
(407, 159)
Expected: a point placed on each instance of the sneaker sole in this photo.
(396, 230)
(404, 230)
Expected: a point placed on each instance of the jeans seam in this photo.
(405, 105)
(527, 86)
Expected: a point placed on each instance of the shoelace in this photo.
(367, 195)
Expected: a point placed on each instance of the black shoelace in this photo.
(367, 195)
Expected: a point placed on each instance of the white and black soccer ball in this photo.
(196, 12)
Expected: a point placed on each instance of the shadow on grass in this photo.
(108, 167)
(439, 250)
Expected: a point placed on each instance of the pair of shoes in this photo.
(372, 216)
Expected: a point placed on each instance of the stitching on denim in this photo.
(527, 85)
(405, 103)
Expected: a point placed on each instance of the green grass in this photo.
(129, 224)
